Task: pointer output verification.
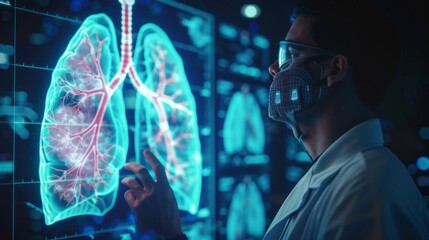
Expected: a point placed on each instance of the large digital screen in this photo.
(242, 136)
(86, 86)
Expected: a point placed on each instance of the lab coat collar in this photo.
(293, 203)
(363, 136)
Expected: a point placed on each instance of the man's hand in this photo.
(154, 204)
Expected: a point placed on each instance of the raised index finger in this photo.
(157, 167)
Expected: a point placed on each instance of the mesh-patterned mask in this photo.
(293, 90)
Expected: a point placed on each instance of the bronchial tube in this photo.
(126, 39)
(84, 136)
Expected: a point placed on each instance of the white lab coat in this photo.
(357, 189)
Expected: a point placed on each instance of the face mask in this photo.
(292, 91)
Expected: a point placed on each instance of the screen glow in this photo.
(84, 139)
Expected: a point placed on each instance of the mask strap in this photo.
(292, 117)
(296, 125)
(323, 81)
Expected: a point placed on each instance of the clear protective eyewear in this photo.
(290, 52)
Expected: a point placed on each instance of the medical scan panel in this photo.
(84, 136)
(168, 116)
(246, 216)
(244, 126)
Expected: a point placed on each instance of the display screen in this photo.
(242, 137)
(86, 86)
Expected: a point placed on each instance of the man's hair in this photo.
(365, 34)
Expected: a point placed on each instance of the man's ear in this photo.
(340, 66)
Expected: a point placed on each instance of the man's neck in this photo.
(323, 131)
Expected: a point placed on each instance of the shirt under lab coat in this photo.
(357, 189)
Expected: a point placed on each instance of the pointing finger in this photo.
(142, 173)
(158, 168)
(131, 183)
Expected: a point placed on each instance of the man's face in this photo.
(299, 32)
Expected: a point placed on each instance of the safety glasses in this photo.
(290, 52)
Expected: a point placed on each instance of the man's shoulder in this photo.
(373, 162)
(376, 171)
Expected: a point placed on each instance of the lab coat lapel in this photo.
(293, 203)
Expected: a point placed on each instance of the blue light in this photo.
(250, 11)
(293, 173)
(6, 167)
(204, 213)
(302, 157)
(423, 163)
(294, 95)
(224, 86)
(278, 98)
(228, 31)
(261, 42)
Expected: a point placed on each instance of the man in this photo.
(335, 65)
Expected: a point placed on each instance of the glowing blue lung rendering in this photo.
(84, 136)
(166, 120)
(243, 128)
(247, 213)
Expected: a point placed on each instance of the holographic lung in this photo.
(243, 128)
(168, 115)
(246, 217)
(83, 138)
